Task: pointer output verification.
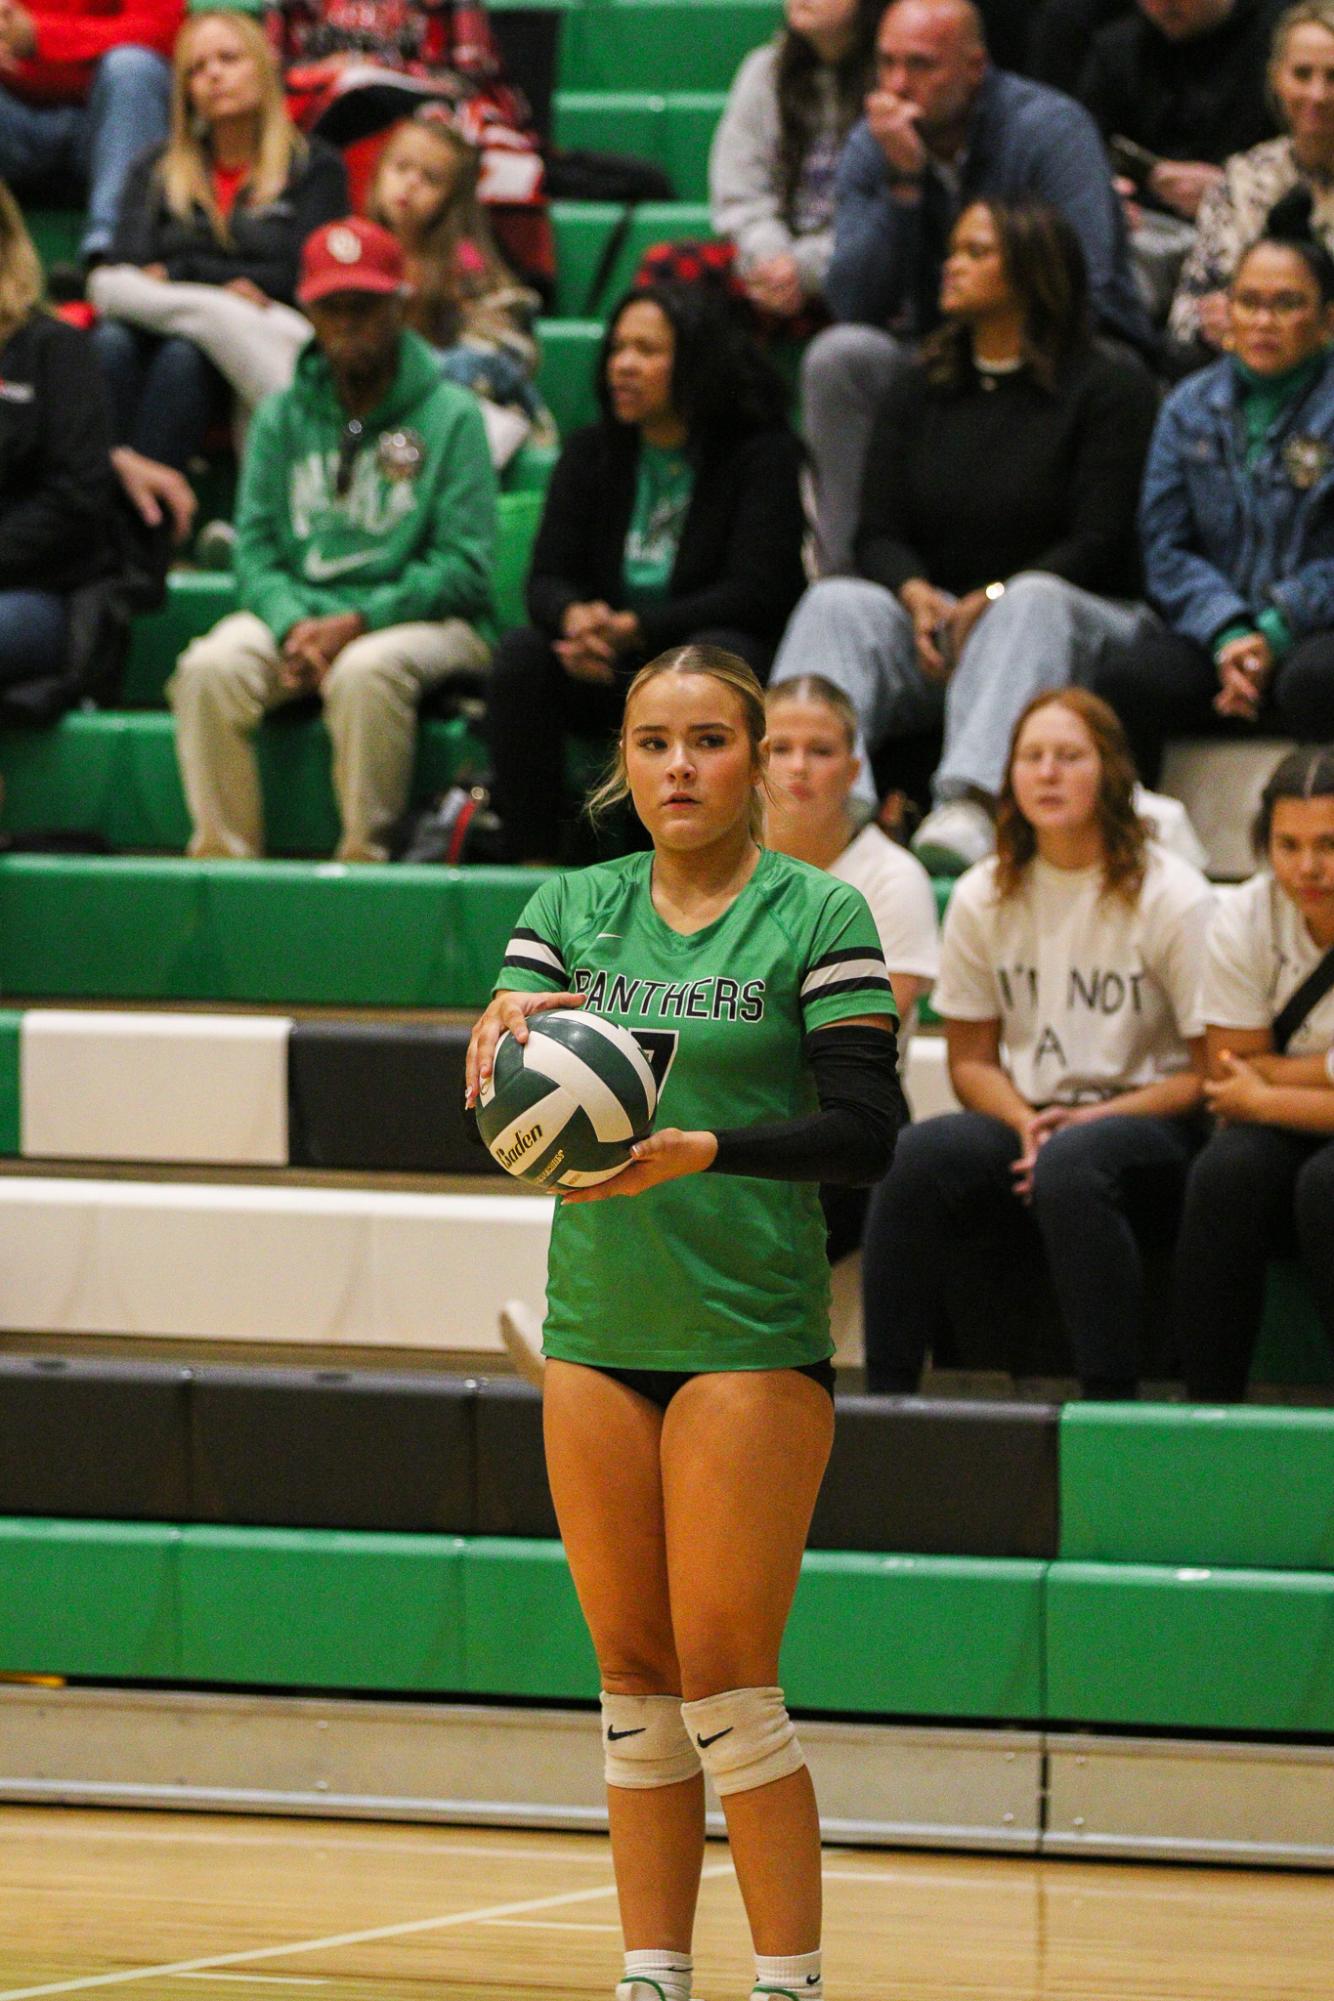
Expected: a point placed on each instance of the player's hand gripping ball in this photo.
(563, 1109)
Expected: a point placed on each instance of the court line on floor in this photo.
(264, 1979)
(543, 1925)
(85, 1983)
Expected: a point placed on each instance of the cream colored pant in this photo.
(225, 682)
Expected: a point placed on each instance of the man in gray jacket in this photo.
(943, 127)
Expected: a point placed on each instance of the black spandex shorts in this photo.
(661, 1385)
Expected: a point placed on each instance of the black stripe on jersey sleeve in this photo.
(528, 951)
(838, 958)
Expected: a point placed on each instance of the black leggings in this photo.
(659, 1386)
(1255, 1192)
(950, 1250)
(1164, 686)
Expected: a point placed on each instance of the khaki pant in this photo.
(225, 682)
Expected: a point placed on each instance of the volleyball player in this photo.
(689, 1394)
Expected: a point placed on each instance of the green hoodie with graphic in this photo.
(413, 537)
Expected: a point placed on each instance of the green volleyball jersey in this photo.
(713, 1271)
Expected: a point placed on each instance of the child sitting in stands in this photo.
(466, 301)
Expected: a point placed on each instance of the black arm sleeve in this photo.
(849, 1142)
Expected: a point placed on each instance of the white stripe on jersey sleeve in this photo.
(868, 971)
(525, 948)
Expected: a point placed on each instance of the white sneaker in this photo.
(954, 836)
(522, 1335)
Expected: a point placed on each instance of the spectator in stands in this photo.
(55, 475)
(674, 520)
(365, 540)
(775, 153)
(465, 299)
(214, 222)
(1236, 213)
(943, 129)
(812, 767)
(1184, 82)
(996, 547)
(85, 86)
(1264, 1185)
(1068, 985)
(1237, 523)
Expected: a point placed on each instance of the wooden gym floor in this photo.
(171, 1907)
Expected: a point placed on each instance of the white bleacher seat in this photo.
(1219, 782)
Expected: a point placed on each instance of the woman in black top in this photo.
(676, 519)
(55, 475)
(997, 531)
(227, 203)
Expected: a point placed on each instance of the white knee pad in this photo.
(645, 1742)
(744, 1738)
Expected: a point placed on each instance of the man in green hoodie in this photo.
(365, 541)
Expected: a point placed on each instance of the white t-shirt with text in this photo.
(1259, 952)
(1094, 995)
(903, 904)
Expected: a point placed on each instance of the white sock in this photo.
(798, 1976)
(650, 1975)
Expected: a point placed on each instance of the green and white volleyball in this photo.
(563, 1109)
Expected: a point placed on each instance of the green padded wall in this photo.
(196, 600)
(569, 369)
(582, 229)
(1184, 1483)
(89, 1598)
(639, 44)
(9, 1080)
(321, 1609)
(115, 773)
(1190, 1649)
(283, 932)
(916, 1636)
(525, 1634)
(1292, 1347)
(675, 131)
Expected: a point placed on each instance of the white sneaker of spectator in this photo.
(521, 1331)
(1171, 826)
(954, 836)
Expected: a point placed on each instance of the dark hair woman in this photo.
(1264, 1185)
(1068, 985)
(775, 153)
(996, 547)
(55, 476)
(676, 518)
(1237, 525)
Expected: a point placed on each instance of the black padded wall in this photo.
(513, 1497)
(101, 1440)
(914, 1475)
(380, 1097)
(397, 1450)
(325, 1448)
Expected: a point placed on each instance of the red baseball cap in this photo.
(353, 255)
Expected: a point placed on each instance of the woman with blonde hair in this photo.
(211, 226)
(688, 1398)
(1069, 980)
(55, 475)
(1293, 174)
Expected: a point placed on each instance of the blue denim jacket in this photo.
(1221, 544)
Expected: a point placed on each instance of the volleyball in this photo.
(563, 1109)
